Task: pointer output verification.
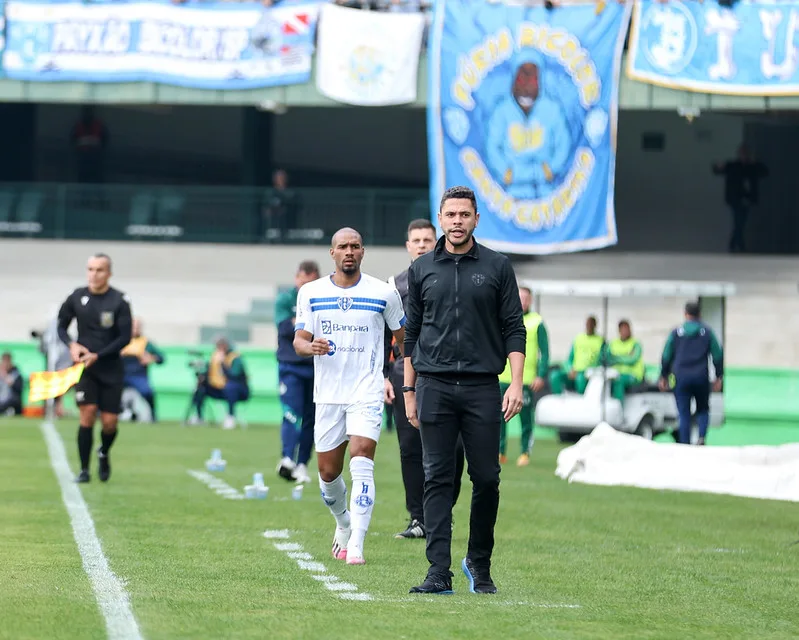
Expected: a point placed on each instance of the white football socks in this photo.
(362, 500)
(334, 495)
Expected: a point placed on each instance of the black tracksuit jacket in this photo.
(463, 314)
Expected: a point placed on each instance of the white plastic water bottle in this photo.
(296, 493)
(256, 490)
(215, 462)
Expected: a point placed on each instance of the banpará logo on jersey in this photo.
(328, 327)
(344, 303)
(107, 319)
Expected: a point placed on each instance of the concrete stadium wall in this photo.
(177, 288)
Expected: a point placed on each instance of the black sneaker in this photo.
(479, 579)
(83, 476)
(415, 530)
(105, 465)
(436, 583)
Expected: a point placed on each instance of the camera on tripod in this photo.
(197, 363)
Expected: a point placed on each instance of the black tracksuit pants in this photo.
(410, 444)
(447, 410)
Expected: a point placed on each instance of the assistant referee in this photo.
(464, 320)
(104, 329)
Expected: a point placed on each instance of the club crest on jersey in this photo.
(344, 303)
(107, 319)
(84, 300)
(478, 279)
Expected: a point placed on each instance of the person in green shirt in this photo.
(536, 365)
(625, 355)
(585, 353)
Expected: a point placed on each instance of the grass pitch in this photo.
(571, 561)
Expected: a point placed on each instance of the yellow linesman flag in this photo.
(51, 384)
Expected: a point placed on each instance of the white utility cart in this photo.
(646, 411)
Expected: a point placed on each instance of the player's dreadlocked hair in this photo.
(453, 193)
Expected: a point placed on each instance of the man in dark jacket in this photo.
(421, 240)
(464, 322)
(295, 376)
(686, 356)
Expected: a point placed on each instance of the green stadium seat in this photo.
(6, 205)
(30, 205)
(141, 208)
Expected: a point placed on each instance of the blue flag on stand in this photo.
(522, 108)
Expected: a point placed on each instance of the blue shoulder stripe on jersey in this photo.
(403, 321)
(316, 300)
(299, 327)
(377, 301)
(360, 307)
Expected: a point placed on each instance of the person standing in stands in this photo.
(585, 353)
(686, 357)
(421, 239)
(137, 357)
(296, 379)
(741, 191)
(226, 380)
(282, 207)
(626, 357)
(536, 366)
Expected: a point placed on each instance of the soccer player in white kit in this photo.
(340, 322)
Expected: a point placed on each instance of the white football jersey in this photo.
(353, 321)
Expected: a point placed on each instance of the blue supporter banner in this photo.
(748, 49)
(522, 108)
(208, 46)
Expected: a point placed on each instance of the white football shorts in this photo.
(336, 423)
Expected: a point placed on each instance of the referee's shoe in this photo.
(105, 465)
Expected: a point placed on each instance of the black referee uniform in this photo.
(104, 328)
(410, 441)
(464, 317)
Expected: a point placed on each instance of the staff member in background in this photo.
(626, 357)
(10, 387)
(421, 240)
(585, 353)
(686, 356)
(226, 380)
(295, 377)
(464, 322)
(137, 357)
(536, 365)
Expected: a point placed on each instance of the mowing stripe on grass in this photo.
(111, 596)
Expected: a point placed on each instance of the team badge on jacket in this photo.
(107, 319)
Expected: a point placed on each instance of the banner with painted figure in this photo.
(523, 107)
(223, 45)
(747, 49)
(368, 58)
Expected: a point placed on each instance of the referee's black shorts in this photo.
(102, 388)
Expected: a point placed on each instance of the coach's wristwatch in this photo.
(406, 389)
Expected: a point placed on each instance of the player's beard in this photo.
(349, 270)
(457, 242)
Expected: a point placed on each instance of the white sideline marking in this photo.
(318, 571)
(111, 596)
(221, 487)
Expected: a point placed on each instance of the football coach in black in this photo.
(464, 321)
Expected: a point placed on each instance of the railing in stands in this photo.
(205, 214)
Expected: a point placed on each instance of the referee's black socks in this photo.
(107, 440)
(85, 438)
